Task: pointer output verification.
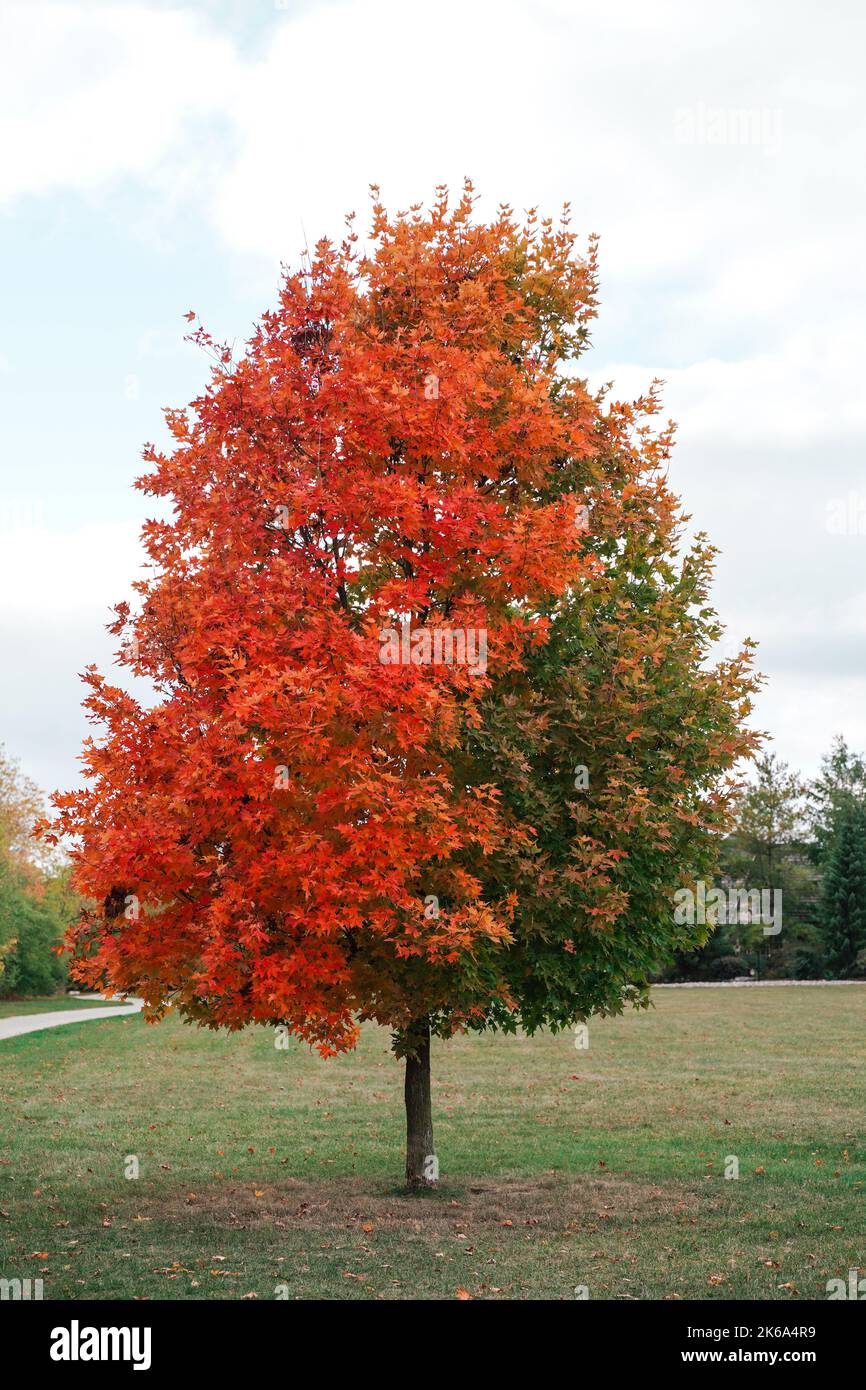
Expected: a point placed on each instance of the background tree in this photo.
(295, 832)
(770, 818)
(837, 802)
(839, 788)
(766, 849)
(843, 924)
(30, 934)
(36, 899)
(21, 804)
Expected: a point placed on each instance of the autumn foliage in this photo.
(297, 831)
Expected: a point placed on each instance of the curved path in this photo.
(32, 1023)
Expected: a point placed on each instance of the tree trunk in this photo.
(422, 1167)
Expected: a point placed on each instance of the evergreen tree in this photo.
(844, 916)
(840, 786)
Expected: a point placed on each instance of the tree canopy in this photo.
(314, 823)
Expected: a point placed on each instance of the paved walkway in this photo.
(755, 984)
(32, 1023)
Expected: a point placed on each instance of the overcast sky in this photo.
(156, 158)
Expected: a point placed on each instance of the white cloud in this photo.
(92, 91)
(803, 713)
(539, 102)
(806, 393)
(57, 589)
(82, 571)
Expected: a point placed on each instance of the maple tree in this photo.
(433, 738)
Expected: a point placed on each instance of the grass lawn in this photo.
(263, 1169)
(11, 1008)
